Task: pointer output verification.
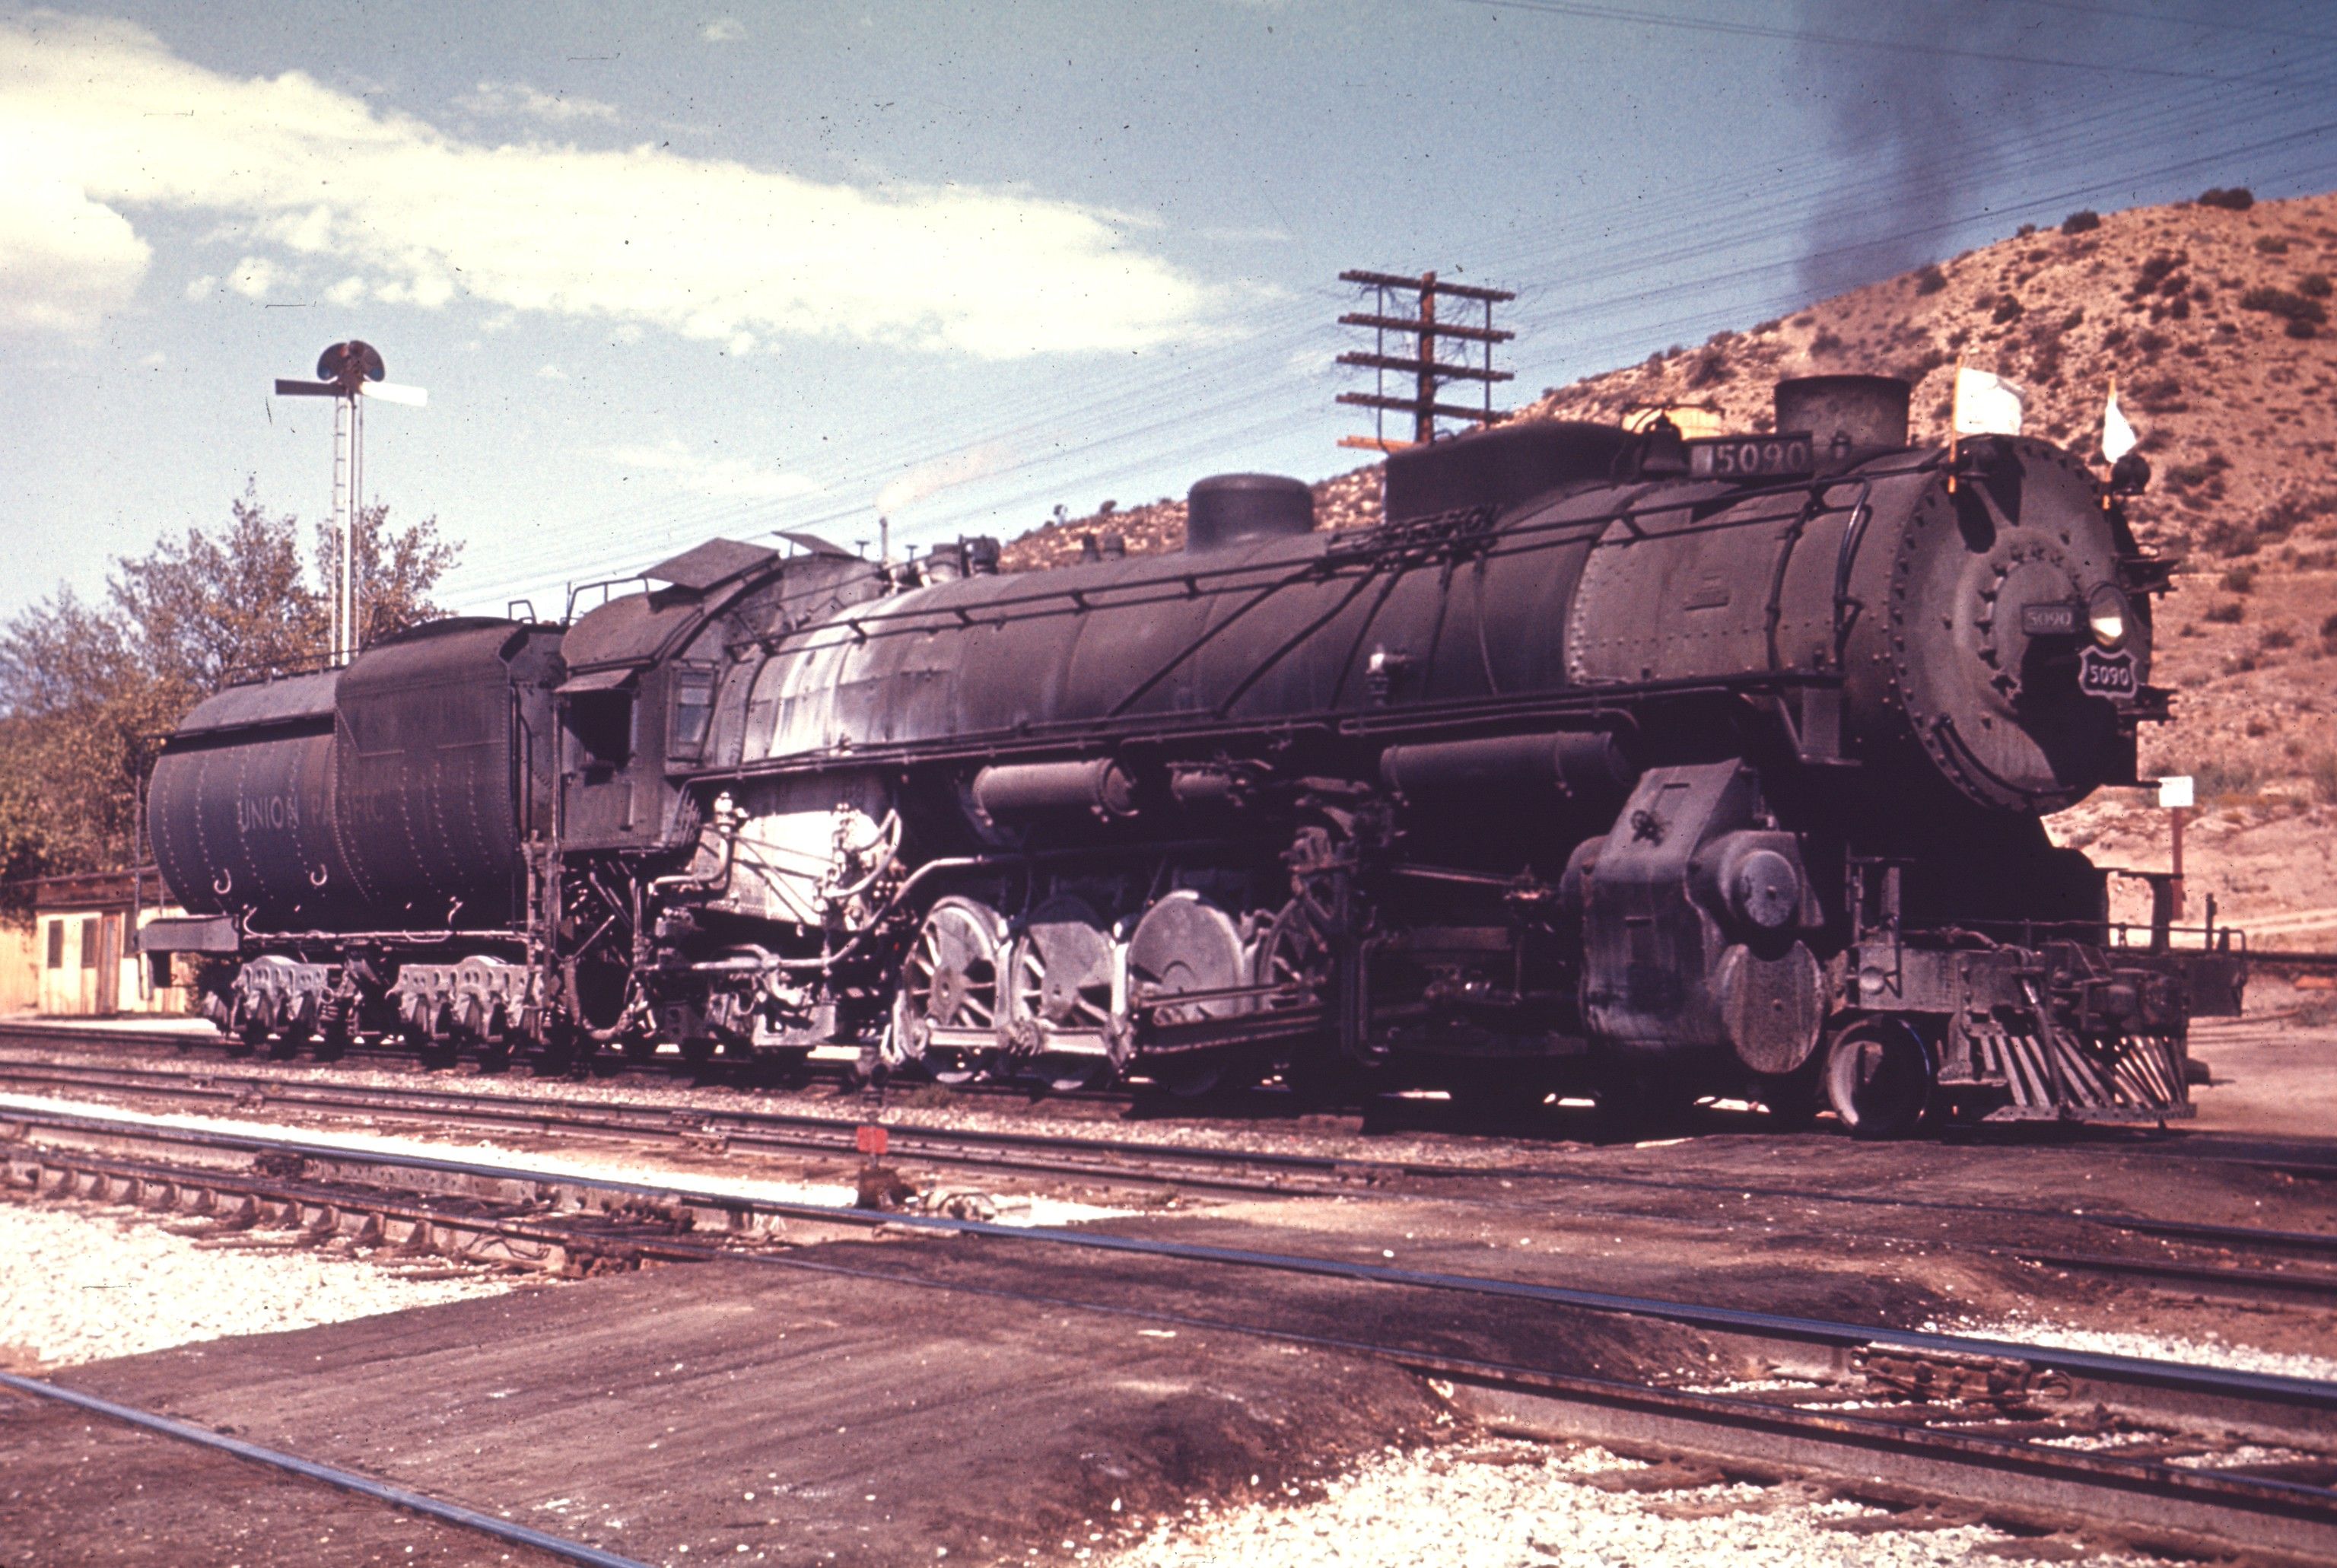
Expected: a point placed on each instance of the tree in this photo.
(89, 690)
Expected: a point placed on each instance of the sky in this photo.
(669, 272)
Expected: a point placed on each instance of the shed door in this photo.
(109, 965)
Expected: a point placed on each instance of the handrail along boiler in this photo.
(1606, 761)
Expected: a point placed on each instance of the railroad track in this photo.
(2303, 1159)
(2247, 1262)
(2176, 1452)
(612, 1067)
(721, 1128)
(340, 1480)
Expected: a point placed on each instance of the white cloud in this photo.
(255, 276)
(201, 288)
(349, 291)
(551, 373)
(932, 478)
(703, 248)
(515, 99)
(1240, 236)
(723, 30)
(64, 259)
(731, 479)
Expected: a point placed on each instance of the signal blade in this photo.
(391, 392)
(308, 389)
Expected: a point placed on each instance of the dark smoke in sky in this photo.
(1931, 125)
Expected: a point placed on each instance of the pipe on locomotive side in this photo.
(1575, 765)
(1005, 792)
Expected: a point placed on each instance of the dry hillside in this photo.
(2214, 319)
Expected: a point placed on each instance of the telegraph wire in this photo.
(1300, 317)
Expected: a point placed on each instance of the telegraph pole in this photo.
(1427, 371)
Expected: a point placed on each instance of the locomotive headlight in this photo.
(2108, 612)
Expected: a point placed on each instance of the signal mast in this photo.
(348, 372)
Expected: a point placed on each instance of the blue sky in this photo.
(673, 272)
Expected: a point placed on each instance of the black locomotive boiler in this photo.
(1607, 763)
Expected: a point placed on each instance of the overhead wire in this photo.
(1277, 329)
(1305, 319)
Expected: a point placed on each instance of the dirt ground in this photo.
(803, 1414)
(799, 1415)
(2275, 1070)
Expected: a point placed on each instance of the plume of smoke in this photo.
(1926, 126)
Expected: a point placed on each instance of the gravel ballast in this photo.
(1522, 1505)
(81, 1285)
(2021, 1329)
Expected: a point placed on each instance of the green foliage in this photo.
(2329, 635)
(2238, 199)
(88, 691)
(2270, 245)
(1928, 279)
(2313, 285)
(2007, 309)
(2083, 219)
(2227, 613)
(2239, 580)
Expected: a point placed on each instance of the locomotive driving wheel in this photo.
(1184, 943)
(1060, 992)
(1293, 959)
(1878, 1078)
(949, 983)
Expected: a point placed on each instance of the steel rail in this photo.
(2297, 1393)
(2229, 1503)
(2175, 1271)
(787, 1130)
(836, 1138)
(751, 1128)
(1786, 1435)
(331, 1475)
(58, 1036)
(1863, 1447)
(298, 1196)
(2119, 1489)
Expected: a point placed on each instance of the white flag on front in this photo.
(2117, 435)
(1986, 404)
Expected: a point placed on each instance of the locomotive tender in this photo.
(1605, 763)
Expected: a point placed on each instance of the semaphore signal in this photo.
(348, 372)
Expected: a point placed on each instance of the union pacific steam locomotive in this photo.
(1607, 763)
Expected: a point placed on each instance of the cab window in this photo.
(693, 714)
(600, 728)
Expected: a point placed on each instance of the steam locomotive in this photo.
(1609, 762)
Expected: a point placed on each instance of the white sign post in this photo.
(2175, 794)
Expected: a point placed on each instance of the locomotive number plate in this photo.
(1748, 456)
(2049, 620)
(2101, 674)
